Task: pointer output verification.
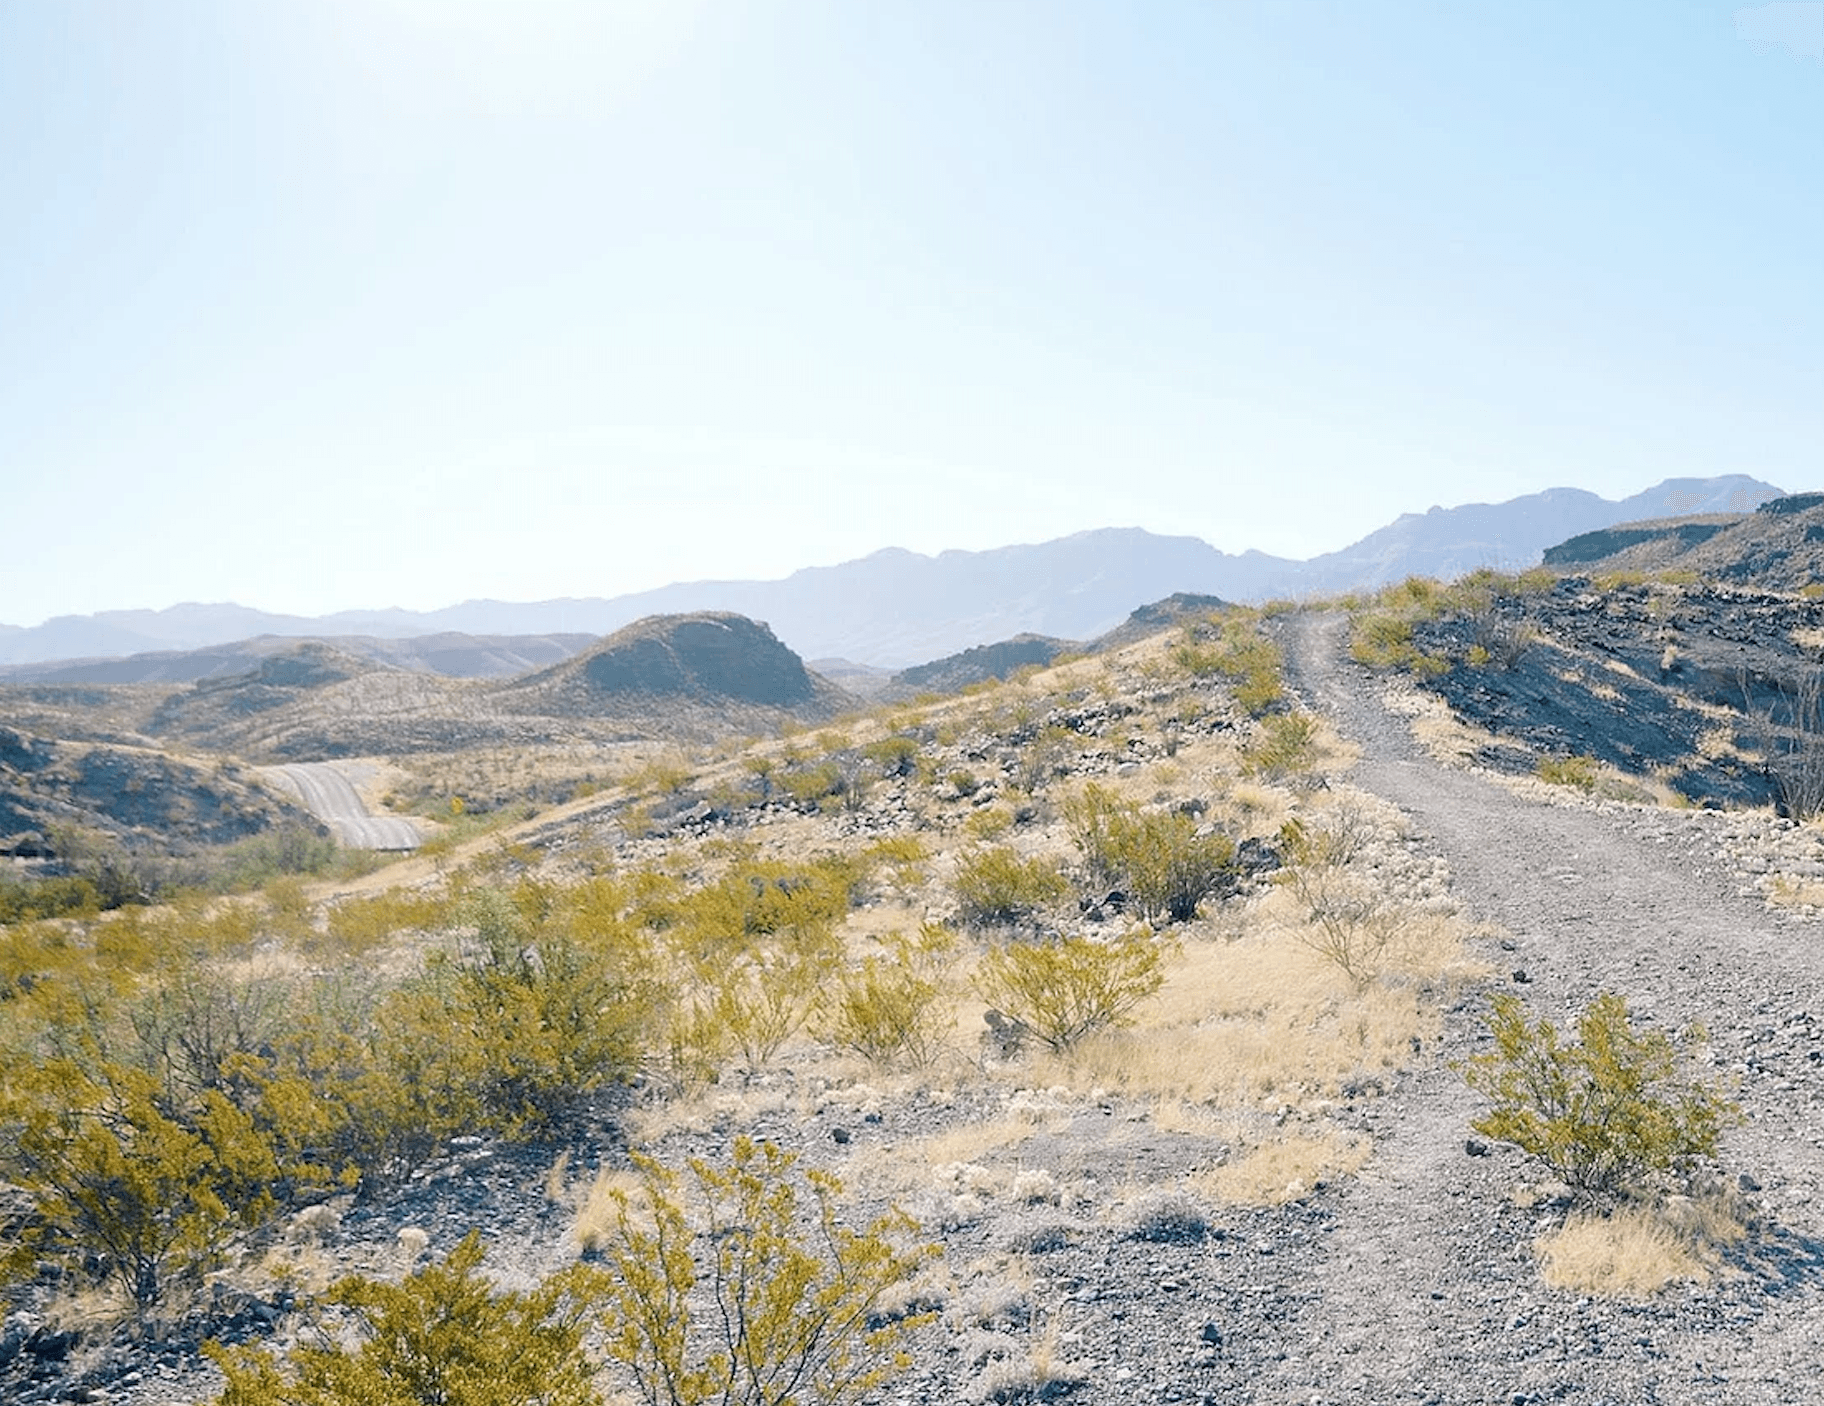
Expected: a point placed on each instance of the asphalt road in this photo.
(327, 794)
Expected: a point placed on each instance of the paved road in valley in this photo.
(327, 794)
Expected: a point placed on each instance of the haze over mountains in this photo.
(896, 608)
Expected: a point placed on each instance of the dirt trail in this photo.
(1426, 1289)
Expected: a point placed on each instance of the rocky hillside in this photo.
(700, 675)
(1777, 547)
(982, 663)
(137, 797)
(709, 660)
(1698, 690)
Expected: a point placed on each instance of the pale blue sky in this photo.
(329, 304)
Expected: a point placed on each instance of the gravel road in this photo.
(327, 794)
(1424, 1290)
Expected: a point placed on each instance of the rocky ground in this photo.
(1693, 685)
(1412, 1280)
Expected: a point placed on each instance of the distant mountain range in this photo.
(897, 608)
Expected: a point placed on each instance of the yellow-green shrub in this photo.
(1578, 772)
(1065, 989)
(121, 1179)
(735, 1287)
(1157, 857)
(1286, 745)
(1604, 1114)
(899, 1007)
(443, 1335)
(996, 886)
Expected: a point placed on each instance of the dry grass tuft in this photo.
(598, 1207)
(1636, 1251)
(898, 1168)
(1264, 1019)
(1284, 1169)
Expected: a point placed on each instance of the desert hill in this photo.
(707, 655)
(137, 797)
(1777, 547)
(695, 676)
(983, 662)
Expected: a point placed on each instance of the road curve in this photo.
(327, 794)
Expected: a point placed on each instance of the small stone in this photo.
(1209, 1333)
(840, 1136)
(1520, 976)
(1747, 1183)
(1475, 1147)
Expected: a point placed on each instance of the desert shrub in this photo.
(55, 896)
(733, 1285)
(294, 848)
(550, 998)
(1383, 641)
(1044, 758)
(809, 784)
(1795, 752)
(767, 995)
(1168, 868)
(902, 856)
(898, 1008)
(1089, 817)
(1231, 645)
(123, 1182)
(1065, 989)
(1157, 857)
(360, 924)
(1286, 745)
(1605, 1113)
(1579, 772)
(996, 886)
(1349, 920)
(750, 954)
(553, 1014)
(989, 822)
(1500, 643)
(444, 1335)
(1166, 1218)
(751, 899)
(895, 756)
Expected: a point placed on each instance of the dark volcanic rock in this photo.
(1694, 683)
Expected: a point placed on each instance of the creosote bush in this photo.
(445, 1335)
(996, 886)
(1068, 988)
(1606, 1114)
(898, 1008)
(740, 1285)
(1349, 919)
(1159, 858)
(1285, 746)
(1580, 773)
(1231, 645)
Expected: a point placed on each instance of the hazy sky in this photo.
(332, 304)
